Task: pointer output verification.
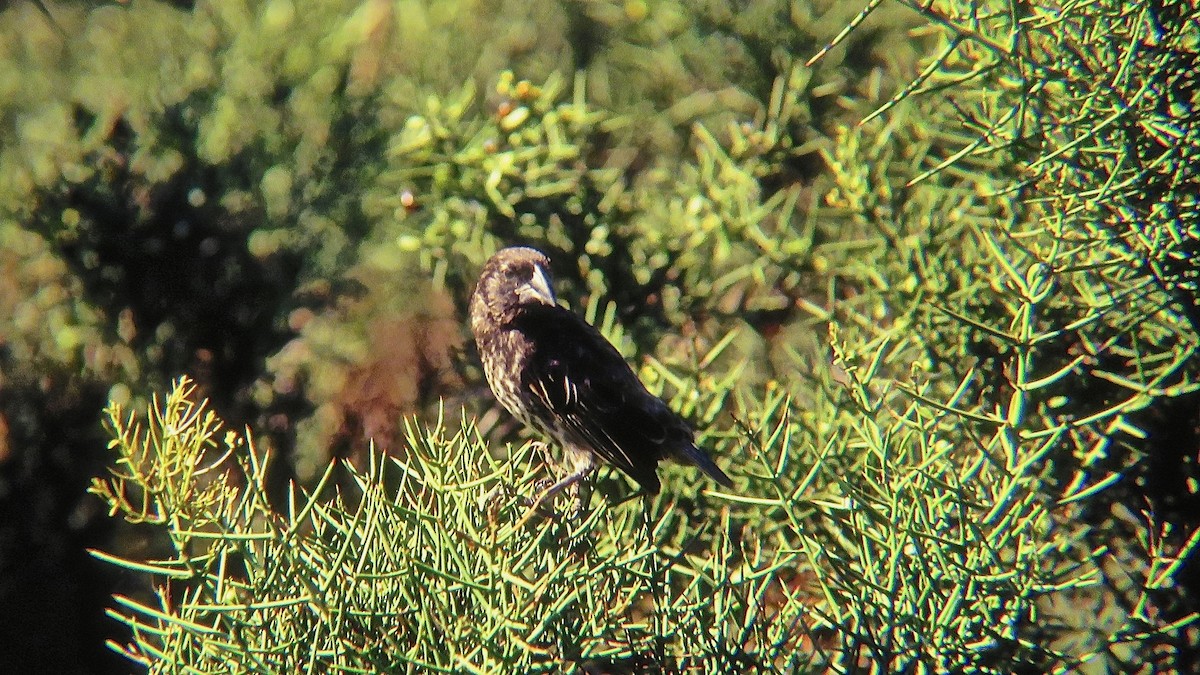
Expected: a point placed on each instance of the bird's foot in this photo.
(536, 507)
(493, 501)
(546, 494)
(539, 505)
(542, 449)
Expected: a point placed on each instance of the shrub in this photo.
(942, 340)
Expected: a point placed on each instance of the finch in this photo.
(557, 374)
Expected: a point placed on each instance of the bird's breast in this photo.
(504, 354)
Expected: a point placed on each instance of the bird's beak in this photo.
(538, 288)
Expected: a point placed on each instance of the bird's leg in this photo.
(582, 493)
(548, 461)
(564, 483)
(579, 461)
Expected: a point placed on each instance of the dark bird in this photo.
(556, 373)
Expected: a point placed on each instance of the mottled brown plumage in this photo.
(559, 375)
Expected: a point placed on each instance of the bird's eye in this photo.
(524, 273)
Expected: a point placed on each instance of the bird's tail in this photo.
(693, 455)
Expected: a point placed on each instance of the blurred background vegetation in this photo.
(930, 298)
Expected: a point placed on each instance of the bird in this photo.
(560, 376)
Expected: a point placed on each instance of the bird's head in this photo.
(513, 278)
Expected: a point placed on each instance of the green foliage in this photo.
(944, 341)
(417, 565)
(1057, 340)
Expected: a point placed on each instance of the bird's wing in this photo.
(585, 383)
